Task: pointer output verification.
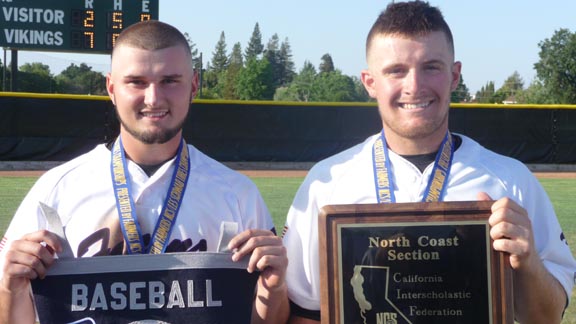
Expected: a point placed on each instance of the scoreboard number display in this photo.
(85, 26)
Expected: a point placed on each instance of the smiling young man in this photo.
(411, 73)
(151, 84)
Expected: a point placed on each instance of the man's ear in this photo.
(368, 82)
(456, 71)
(110, 88)
(195, 84)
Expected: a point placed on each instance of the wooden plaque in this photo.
(412, 263)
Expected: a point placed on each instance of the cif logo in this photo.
(386, 318)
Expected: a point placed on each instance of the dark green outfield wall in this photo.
(58, 128)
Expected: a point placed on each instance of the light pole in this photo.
(4, 70)
(201, 76)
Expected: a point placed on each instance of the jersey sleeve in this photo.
(301, 242)
(550, 241)
(252, 209)
(255, 208)
(502, 176)
(28, 217)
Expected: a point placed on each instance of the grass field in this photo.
(278, 194)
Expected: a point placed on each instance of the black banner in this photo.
(197, 287)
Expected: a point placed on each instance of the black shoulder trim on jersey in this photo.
(457, 141)
(302, 312)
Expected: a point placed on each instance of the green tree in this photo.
(219, 61)
(500, 97)
(361, 93)
(80, 79)
(209, 83)
(334, 87)
(254, 81)
(215, 73)
(331, 86)
(235, 65)
(255, 46)
(285, 60)
(512, 85)
(36, 77)
(486, 93)
(272, 54)
(461, 93)
(536, 93)
(326, 64)
(301, 88)
(557, 66)
(236, 56)
(196, 59)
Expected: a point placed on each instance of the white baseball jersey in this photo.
(82, 193)
(348, 178)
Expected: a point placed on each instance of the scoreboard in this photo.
(86, 26)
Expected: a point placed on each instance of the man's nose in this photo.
(412, 82)
(152, 95)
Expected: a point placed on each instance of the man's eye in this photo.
(432, 68)
(136, 82)
(395, 72)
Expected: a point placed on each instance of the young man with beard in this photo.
(411, 74)
(152, 84)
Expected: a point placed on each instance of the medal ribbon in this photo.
(125, 205)
(383, 176)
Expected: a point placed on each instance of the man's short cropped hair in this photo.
(410, 19)
(151, 35)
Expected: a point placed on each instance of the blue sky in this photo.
(492, 38)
